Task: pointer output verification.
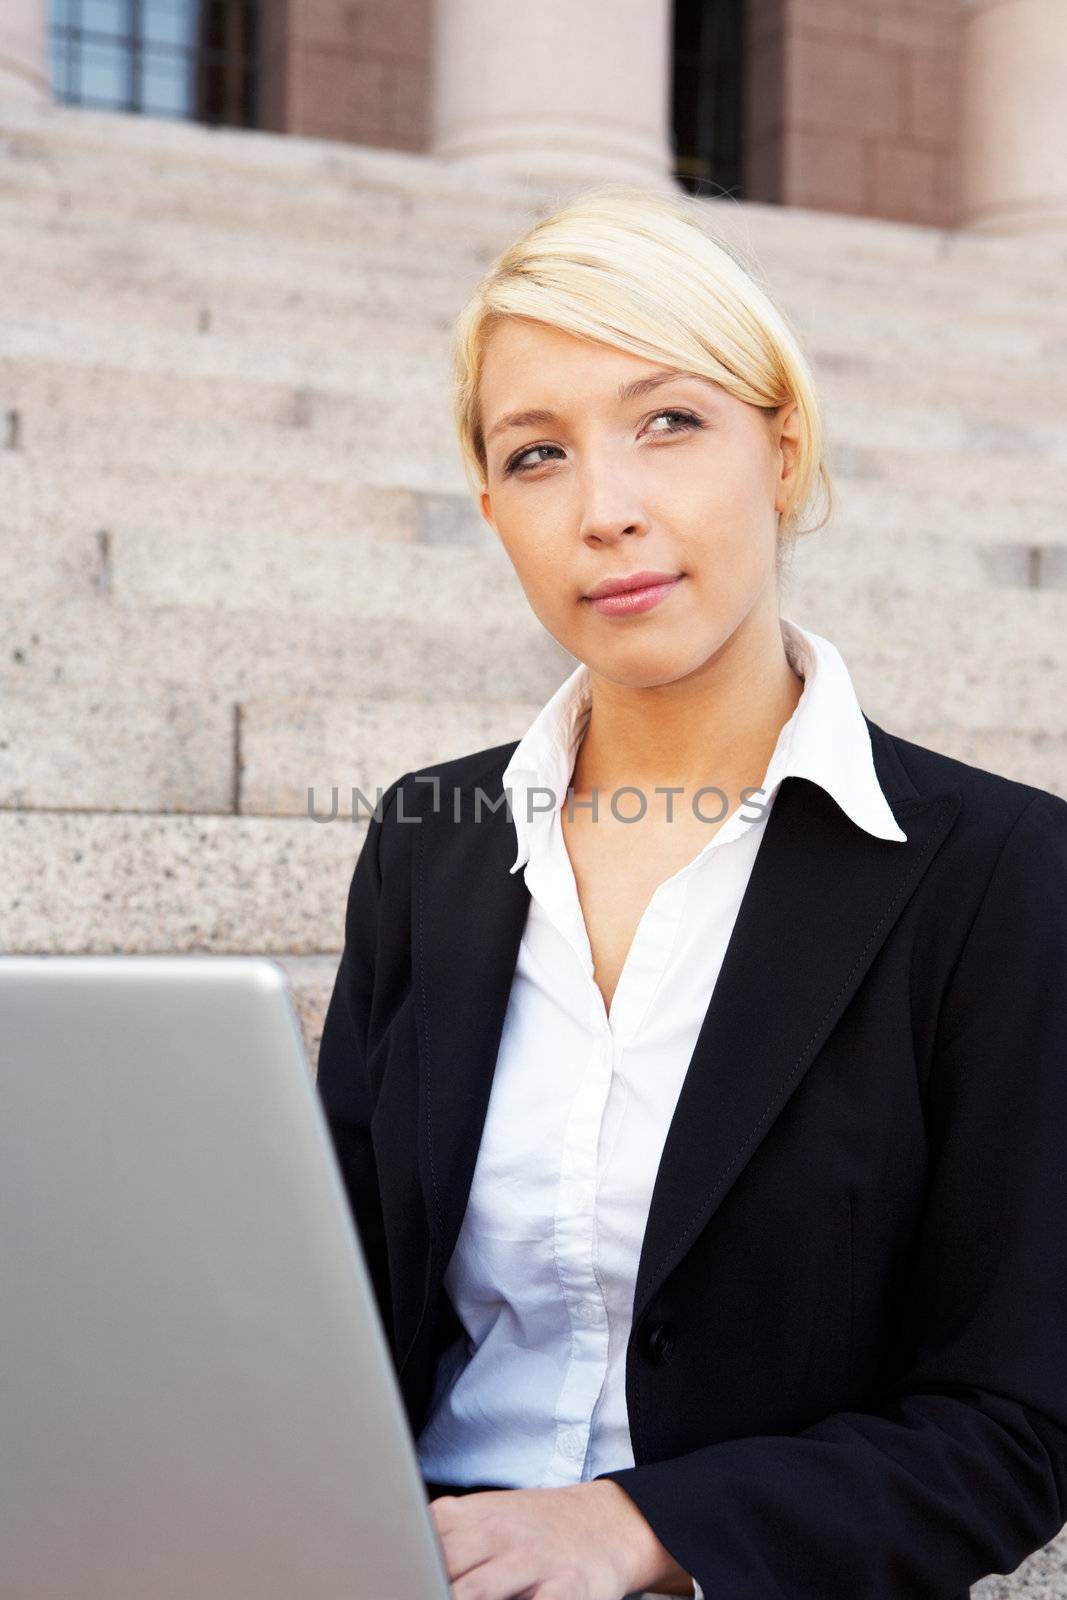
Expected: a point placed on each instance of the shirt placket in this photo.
(575, 1257)
(575, 1237)
(574, 1220)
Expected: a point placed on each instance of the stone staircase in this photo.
(239, 560)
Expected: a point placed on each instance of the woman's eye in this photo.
(688, 420)
(515, 465)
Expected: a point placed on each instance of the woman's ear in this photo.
(789, 444)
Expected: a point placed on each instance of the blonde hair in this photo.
(639, 269)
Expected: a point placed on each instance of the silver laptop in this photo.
(196, 1395)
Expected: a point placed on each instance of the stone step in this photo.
(991, 658)
(920, 429)
(962, 680)
(851, 550)
(1039, 758)
(223, 447)
(167, 376)
(928, 449)
(71, 747)
(431, 462)
(332, 746)
(987, 314)
(881, 509)
(924, 427)
(119, 882)
(110, 391)
(387, 182)
(74, 501)
(102, 370)
(238, 651)
(173, 377)
(55, 137)
(253, 215)
(114, 882)
(362, 580)
(207, 231)
(333, 181)
(838, 569)
(417, 583)
(109, 575)
(210, 230)
(60, 361)
(291, 745)
(913, 655)
(74, 498)
(311, 980)
(273, 612)
(37, 274)
(174, 284)
(970, 324)
(236, 303)
(104, 747)
(171, 257)
(984, 287)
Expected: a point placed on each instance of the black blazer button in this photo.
(658, 1342)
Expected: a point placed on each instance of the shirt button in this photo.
(571, 1443)
(587, 1312)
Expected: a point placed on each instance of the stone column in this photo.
(1013, 135)
(564, 90)
(24, 74)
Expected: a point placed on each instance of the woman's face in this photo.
(680, 479)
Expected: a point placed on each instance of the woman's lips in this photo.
(633, 600)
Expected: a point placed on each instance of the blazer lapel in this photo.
(821, 900)
(468, 917)
(776, 999)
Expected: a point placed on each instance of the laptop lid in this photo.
(196, 1394)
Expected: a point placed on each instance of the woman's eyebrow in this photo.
(626, 391)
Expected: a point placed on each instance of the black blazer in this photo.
(847, 1374)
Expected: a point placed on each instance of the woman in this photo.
(697, 1065)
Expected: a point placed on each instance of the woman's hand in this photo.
(587, 1541)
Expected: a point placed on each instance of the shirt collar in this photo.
(825, 740)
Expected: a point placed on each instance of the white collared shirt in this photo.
(545, 1265)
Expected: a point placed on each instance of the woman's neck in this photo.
(717, 726)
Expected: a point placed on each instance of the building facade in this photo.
(941, 112)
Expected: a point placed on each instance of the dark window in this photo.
(194, 59)
(708, 95)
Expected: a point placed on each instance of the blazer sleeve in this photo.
(343, 1082)
(960, 1469)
